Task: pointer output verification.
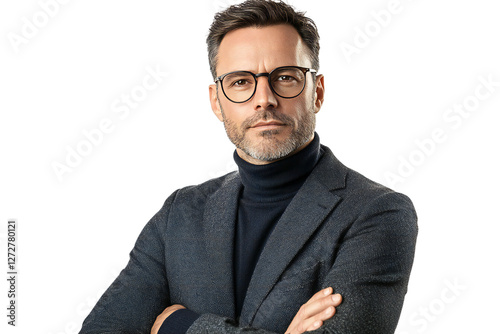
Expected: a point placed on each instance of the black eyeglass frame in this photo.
(268, 75)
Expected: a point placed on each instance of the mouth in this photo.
(264, 125)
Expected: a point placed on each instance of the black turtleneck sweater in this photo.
(267, 190)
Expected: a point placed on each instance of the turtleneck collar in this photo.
(278, 180)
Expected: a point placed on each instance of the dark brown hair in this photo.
(261, 13)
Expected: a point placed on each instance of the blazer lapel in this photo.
(308, 209)
(219, 224)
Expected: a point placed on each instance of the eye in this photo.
(240, 82)
(286, 78)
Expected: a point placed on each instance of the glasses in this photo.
(286, 82)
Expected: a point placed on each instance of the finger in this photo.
(320, 294)
(337, 299)
(318, 320)
(315, 311)
(312, 311)
(155, 328)
(319, 305)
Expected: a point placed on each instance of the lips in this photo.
(267, 124)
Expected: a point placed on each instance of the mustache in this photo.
(265, 116)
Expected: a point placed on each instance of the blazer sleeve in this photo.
(371, 271)
(372, 268)
(140, 293)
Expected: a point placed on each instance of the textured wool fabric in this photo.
(340, 230)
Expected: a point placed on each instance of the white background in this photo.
(75, 234)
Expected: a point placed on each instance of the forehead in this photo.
(261, 49)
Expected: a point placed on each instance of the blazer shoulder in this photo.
(209, 187)
(382, 206)
(360, 191)
(198, 194)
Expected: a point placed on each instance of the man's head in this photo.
(261, 13)
(259, 36)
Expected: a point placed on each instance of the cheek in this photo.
(234, 112)
(296, 108)
(310, 97)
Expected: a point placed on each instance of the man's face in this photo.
(267, 127)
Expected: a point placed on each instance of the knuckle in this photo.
(326, 301)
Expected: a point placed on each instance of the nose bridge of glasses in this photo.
(258, 75)
(263, 91)
(267, 83)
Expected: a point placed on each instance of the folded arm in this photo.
(372, 267)
(309, 317)
(370, 272)
(140, 292)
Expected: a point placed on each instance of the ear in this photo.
(319, 93)
(212, 90)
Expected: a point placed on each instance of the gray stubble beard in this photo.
(270, 150)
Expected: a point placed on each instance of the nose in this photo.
(264, 97)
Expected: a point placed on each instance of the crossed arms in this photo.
(370, 270)
(310, 316)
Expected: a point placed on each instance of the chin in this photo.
(270, 148)
(282, 133)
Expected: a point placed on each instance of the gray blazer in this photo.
(340, 230)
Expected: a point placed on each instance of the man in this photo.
(292, 242)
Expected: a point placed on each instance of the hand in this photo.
(164, 315)
(311, 315)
